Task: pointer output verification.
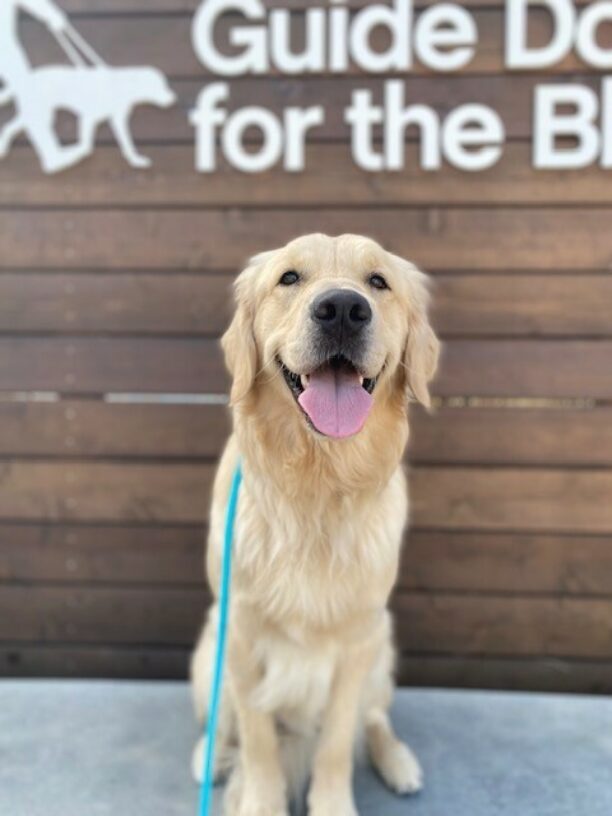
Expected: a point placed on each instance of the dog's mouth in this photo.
(335, 397)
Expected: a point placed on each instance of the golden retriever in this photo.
(329, 342)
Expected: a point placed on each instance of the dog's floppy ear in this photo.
(422, 346)
(238, 342)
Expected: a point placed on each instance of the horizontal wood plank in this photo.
(525, 305)
(437, 239)
(519, 674)
(555, 436)
(105, 492)
(503, 563)
(492, 368)
(431, 624)
(85, 7)
(91, 428)
(332, 178)
(110, 662)
(525, 674)
(473, 562)
(469, 625)
(165, 42)
(512, 499)
(442, 498)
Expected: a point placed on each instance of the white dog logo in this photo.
(89, 88)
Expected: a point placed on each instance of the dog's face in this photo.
(156, 89)
(331, 325)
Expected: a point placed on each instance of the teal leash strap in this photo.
(210, 736)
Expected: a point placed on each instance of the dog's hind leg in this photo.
(394, 761)
(121, 128)
(6, 96)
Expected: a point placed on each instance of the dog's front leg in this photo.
(331, 792)
(258, 787)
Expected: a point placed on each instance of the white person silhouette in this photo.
(90, 89)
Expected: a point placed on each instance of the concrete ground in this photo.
(123, 749)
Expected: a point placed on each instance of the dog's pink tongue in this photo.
(335, 401)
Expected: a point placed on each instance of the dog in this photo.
(95, 95)
(329, 342)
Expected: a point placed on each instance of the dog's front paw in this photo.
(331, 803)
(401, 770)
(240, 800)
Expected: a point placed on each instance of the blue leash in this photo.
(217, 682)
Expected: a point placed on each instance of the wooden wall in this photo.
(116, 281)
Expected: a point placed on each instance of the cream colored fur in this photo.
(319, 529)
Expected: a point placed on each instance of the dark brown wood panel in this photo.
(504, 626)
(517, 674)
(93, 428)
(102, 554)
(100, 615)
(166, 42)
(435, 238)
(98, 365)
(95, 365)
(474, 562)
(504, 563)
(527, 674)
(434, 624)
(512, 499)
(84, 7)
(442, 498)
(95, 491)
(187, 304)
(332, 178)
(119, 303)
(112, 662)
(88, 428)
(544, 368)
(556, 436)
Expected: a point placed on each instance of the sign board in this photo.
(572, 125)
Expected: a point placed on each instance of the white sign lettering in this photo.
(572, 122)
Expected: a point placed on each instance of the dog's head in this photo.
(331, 326)
(155, 88)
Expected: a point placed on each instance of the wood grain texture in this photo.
(435, 238)
(513, 436)
(512, 499)
(504, 626)
(527, 305)
(91, 428)
(507, 563)
(95, 491)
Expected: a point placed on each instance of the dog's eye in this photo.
(378, 282)
(289, 278)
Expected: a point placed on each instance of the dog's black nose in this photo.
(341, 312)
